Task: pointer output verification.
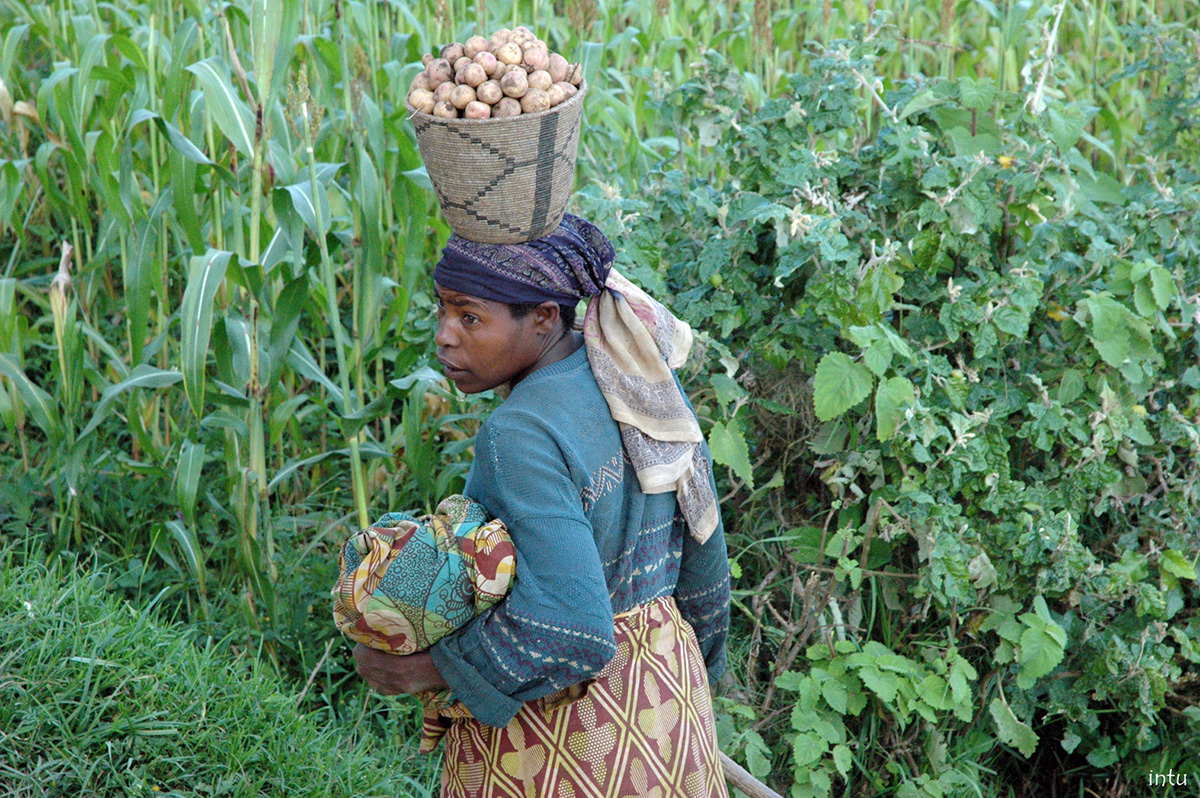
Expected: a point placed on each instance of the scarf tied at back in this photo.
(632, 341)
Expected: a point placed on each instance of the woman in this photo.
(591, 677)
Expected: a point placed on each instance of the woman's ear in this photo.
(546, 317)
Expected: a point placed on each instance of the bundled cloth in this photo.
(406, 582)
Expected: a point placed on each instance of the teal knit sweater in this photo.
(590, 544)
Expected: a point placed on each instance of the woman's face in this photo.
(480, 344)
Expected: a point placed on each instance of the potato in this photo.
(535, 100)
(472, 75)
(506, 74)
(422, 100)
(461, 96)
(567, 89)
(515, 83)
(421, 81)
(509, 54)
(490, 92)
(498, 39)
(474, 45)
(557, 67)
(536, 59)
(539, 79)
(488, 61)
(439, 71)
(477, 110)
(507, 107)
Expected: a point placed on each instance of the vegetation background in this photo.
(942, 260)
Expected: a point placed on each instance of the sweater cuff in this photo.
(487, 704)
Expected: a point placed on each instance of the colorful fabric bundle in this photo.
(406, 582)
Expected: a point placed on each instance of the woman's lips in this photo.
(452, 371)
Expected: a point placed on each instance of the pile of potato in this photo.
(509, 74)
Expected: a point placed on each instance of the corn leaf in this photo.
(205, 276)
(187, 479)
(228, 110)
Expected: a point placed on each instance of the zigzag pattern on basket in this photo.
(502, 181)
(543, 160)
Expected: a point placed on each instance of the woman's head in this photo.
(483, 343)
(502, 306)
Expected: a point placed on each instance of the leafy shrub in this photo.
(1001, 342)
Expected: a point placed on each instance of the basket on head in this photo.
(504, 180)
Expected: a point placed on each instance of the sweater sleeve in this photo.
(555, 627)
(702, 592)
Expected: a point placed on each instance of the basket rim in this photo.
(413, 113)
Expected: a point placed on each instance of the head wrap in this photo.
(565, 266)
(633, 343)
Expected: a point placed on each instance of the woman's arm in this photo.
(555, 627)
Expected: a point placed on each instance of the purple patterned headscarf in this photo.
(570, 264)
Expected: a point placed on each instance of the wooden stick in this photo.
(738, 776)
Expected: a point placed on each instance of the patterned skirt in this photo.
(644, 727)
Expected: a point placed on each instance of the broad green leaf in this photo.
(1173, 562)
(1163, 287)
(891, 400)
(976, 94)
(1041, 649)
(878, 356)
(727, 389)
(187, 478)
(842, 759)
(883, 683)
(38, 402)
(228, 110)
(1012, 731)
(835, 694)
(205, 275)
(1070, 386)
(728, 446)
(808, 748)
(1110, 331)
(185, 538)
(142, 376)
(839, 385)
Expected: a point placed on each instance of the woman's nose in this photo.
(443, 336)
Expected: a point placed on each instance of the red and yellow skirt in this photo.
(644, 727)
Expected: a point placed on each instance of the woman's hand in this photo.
(391, 674)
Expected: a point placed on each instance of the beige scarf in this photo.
(633, 343)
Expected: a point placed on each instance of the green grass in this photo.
(99, 698)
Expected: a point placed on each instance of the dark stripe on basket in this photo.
(542, 187)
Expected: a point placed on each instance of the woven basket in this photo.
(506, 180)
